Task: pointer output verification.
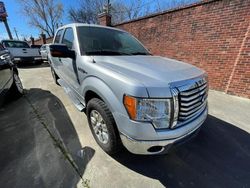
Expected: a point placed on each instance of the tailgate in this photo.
(24, 52)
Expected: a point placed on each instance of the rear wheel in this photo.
(103, 127)
(16, 89)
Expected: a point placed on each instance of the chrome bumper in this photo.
(156, 146)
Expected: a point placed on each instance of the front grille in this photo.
(192, 100)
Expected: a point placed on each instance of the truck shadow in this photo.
(39, 144)
(218, 157)
(33, 65)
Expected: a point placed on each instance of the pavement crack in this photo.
(58, 143)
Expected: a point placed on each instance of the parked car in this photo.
(148, 103)
(10, 82)
(22, 52)
(44, 52)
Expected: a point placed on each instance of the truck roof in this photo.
(88, 25)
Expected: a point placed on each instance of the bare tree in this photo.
(88, 10)
(135, 9)
(43, 14)
(121, 10)
(166, 5)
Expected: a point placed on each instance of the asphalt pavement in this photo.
(46, 142)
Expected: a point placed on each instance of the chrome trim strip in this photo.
(190, 108)
(204, 97)
(175, 107)
(198, 90)
(192, 111)
(189, 117)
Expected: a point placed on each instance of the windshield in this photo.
(102, 41)
(15, 44)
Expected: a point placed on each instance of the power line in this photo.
(16, 33)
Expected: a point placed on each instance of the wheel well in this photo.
(90, 95)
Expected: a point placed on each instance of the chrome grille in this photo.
(192, 100)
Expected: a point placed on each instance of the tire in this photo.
(113, 143)
(55, 76)
(16, 89)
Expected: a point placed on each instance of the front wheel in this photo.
(103, 127)
(54, 75)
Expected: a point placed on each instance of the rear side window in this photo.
(68, 38)
(58, 36)
(15, 44)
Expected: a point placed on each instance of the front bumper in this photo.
(152, 147)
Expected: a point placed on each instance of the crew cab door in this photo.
(5, 70)
(69, 69)
(56, 62)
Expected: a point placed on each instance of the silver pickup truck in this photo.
(21, 51)
(146, 103)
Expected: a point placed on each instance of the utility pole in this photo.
(3, 18)
(108, 7)
(7, 28)
(16, 33)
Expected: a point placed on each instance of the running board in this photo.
(71, 95)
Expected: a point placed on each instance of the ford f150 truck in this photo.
(145, 102)
(22, 52)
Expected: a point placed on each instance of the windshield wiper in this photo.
(105, 52)
(140, 53)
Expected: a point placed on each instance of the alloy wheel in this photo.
(99, 126)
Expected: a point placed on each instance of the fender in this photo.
(98, 86)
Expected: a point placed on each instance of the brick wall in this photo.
(41, 41)
(213, 35)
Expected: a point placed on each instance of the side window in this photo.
(68, 38)
(58, 36)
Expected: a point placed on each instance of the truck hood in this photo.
(151, 71)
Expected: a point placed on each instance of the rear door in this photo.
(69, 65)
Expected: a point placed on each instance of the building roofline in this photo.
(40, 38)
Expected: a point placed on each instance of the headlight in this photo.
(156, 111)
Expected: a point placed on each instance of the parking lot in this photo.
(47, 143)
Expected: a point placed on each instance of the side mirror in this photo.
(61, 50)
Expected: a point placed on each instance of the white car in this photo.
(21, 51)
(44, 50)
